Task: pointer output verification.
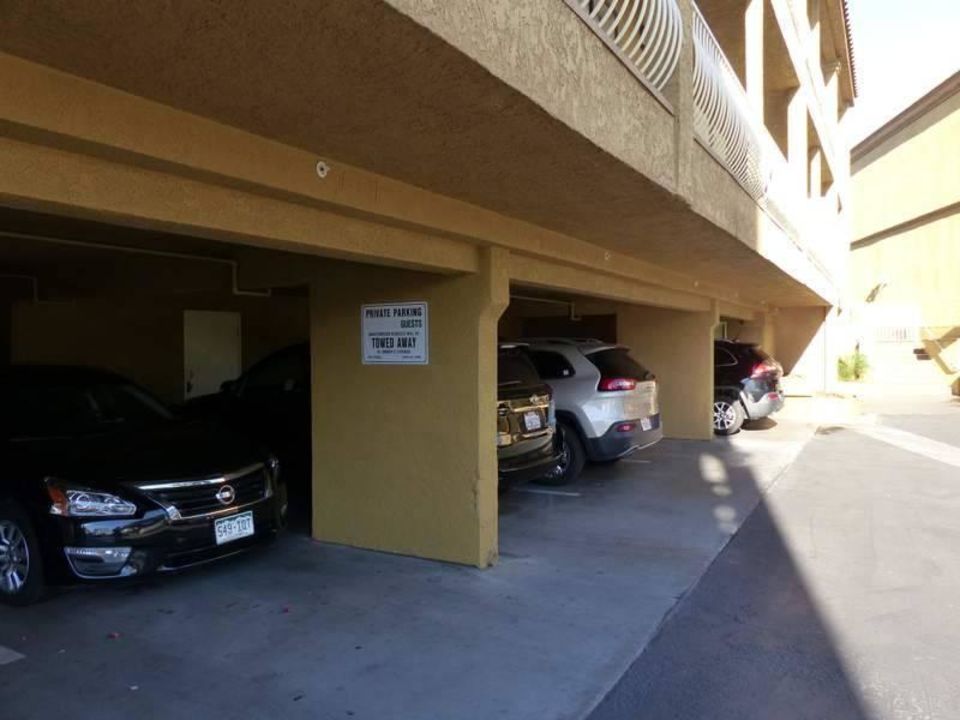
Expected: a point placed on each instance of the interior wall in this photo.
(404, 455)
(677, 346)
(143, 339)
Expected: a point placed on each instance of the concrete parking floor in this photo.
(305, 630)
(839, 596)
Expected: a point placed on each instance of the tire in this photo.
(21, 564)
(728, 415)
(572, 459)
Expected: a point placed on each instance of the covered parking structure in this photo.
(403, 453)
(402, 458)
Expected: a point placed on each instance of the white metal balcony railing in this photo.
(647, 33)
(648, 36)
(727, 124)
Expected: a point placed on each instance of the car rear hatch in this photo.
(764, 366)
(625, 381)
(524, 408)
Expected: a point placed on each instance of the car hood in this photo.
(172, 451)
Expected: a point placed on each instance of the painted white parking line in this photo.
(632, 461)
(8, 656)
(541, 491)
(917, 444)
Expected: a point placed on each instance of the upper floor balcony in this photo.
(768, 113)
(700, 140)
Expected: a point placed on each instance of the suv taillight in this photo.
(614, 384)
(762, 368)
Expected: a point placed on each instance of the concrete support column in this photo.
(832, 80)
(813, 39)
(403, 455)
(753, 49)
(797, 138)
(678, 347)
(816, 174)
(682, 98)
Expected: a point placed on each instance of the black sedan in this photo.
(100, 481)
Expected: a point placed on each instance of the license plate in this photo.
(646, 424)
(532, 421)
(233, 528)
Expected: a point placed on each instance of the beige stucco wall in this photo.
(905, 262)
(919, 268)
(404, 456)
(912, 174)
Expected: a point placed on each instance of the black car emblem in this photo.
(226, 494)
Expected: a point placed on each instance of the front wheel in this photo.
(572, 458)
(21, 568)
(728, 416)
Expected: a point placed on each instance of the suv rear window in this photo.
(551, 365)
(616, 362)
(515, 368)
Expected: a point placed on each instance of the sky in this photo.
(903, 48)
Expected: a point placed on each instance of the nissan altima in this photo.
(100, 481)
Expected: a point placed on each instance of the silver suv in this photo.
(607, 405)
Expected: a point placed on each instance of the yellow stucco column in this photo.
(677, 346)
(753, 52)
(404, 458)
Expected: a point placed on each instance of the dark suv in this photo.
(746, 385)
(528, 446)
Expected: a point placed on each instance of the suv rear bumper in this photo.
(530, 465)
(764, 405)
(615, 444)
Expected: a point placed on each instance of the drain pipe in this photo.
(232, 264)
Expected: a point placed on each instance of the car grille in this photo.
(194, 498)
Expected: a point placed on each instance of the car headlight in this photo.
(80, 502)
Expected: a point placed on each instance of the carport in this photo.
(182, 314)
(403, 459)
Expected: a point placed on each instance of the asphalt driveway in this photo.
(839, 596)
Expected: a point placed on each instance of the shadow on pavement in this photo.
(747, 641)
(761, 424)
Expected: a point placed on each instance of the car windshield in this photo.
(35, 411)
(514, 367)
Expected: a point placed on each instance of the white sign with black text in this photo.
(395, 334)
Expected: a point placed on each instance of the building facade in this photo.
(905, 255)
(657, 168)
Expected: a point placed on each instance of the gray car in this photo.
(607, 404)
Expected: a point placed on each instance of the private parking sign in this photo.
(395, 334)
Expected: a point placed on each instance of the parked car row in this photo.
(102, 481)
